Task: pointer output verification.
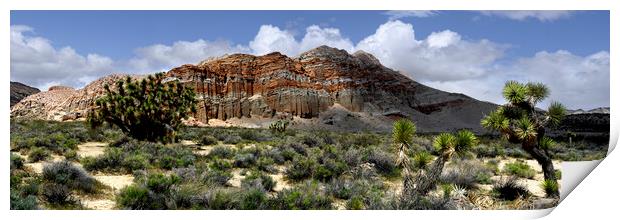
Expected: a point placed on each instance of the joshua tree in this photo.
(150, 109)
(402, 135)
(447, 145)
(520, 122)
(279, 126)
(426, 178)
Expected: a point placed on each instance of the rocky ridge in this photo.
(20, 91)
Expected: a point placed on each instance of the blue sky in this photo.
(501, 44)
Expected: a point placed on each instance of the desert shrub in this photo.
(466, 174)
(329, 169)
(220, 199)
(17, 162)
(258, 180)
(217, 177)
(71, 155)
(558, 174)
(232, 139)
(160, 183)
(384, 163)
(266, 164)
(133, 197)
(509, 190)
(222, 152)
(207, 140)
(489, 151)
(276, 155)
(111, 159)
(301, 168)
(355, 203)
(520, 169)
(252, 199)
(550, 187)
(38, 154)
(304, 196)
(493, 165)
(19, 202)
(136, 162)
(57, 194)
(245, 160)
(353, 157)
(67, 174)
(219, 164)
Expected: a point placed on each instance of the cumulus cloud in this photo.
(442, 56)
(444, 60)
(541, 15)
(35, 61)
(161, 57)
(393, 15)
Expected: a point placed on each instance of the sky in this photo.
(469, 52)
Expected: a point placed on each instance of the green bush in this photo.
(67, 174)
(23, 203)
(244, 160)
(222, 152)
(304, 196)
(160, 183)
(258, 180)
(57, 194)
(207, 140)
(134, 197)
(467, 174)
(301, 168)
(384, 163)
(136, 162)
(558, 174)
(17, 162)
(253, 199)
(355, 203)
(38, 154)
(520, 169)
(329, 169)
(220, 164)
(71, 155)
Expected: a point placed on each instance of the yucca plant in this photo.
(150, 109)
(550, 187)
(279, 126)
(520, 122)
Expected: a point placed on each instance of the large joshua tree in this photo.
(520, 122)
(150, 109)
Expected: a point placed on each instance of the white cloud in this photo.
(523, 15)
(442, 56)
(410, 13)
(161, 57)
(35, 61)
(316, 36)
(271, 38)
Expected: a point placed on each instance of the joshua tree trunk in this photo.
(426, 181)
(543, 158)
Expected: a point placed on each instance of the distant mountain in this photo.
(20, 91)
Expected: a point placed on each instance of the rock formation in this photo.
(274, 85)
(20, 91)
(339, 89)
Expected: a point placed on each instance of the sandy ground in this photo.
(117, 182)
(91, 149)
(235, 181)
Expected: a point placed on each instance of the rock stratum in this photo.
(323, 88)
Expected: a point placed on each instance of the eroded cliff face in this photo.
(277, 86)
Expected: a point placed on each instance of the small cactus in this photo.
(279, 126)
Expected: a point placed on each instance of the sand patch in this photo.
(235, 181)
(99, 204)
(91, 149)
(117, 182)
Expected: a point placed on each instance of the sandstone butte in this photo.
(276, 86)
